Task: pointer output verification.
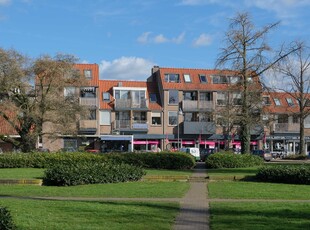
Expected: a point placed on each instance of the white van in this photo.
(193, 151)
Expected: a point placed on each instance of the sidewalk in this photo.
(194, 213)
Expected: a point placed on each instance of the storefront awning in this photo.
(116, 138)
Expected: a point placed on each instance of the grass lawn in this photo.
(263, 215)
(39, 214)
(231, 173)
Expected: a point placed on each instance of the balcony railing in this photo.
(192, 127)
(189, 105)
(124, 125)
(121, 104)
(87, 124)
(286, 127)
(89, 101)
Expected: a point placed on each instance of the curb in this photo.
(22, 181)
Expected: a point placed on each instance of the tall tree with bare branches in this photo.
(246, 52)
(294, 71)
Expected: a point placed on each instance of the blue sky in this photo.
(127, 37)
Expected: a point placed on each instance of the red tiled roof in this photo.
(6, 128)
(95, 72)
(195, 83)
(107, 86)
(284, 107)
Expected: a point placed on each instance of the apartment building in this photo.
(282, 123)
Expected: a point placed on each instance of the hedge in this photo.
(162, 160)
(290, 174)
(6, 221)
(231, 160)
(78, 173)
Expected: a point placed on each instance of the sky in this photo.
(126, 38)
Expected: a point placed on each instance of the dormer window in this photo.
(290, 101)
(171, 77)
(203, 78)
(88, 74)
(187, 78)
(277, 101)
(220, 79)
(266, 101)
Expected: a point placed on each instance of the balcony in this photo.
(89, 101)
(88, 127)
(192, 127)
(130, 125)
(188, 105)
(286, 127)
(129, 104)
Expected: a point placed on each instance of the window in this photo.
(290, 101)
(105, 96)
(187, 78)
(91, 115)
(295, 118)
(105, 118)
(266, 101)
(88, 73)
(277, 101)
(156, 118)
(282, 118)
(221, 98)
(173, 117)
(70, 144)
(69, 91)
(219, 79)
(236, 99)
(172, 77)
(234, 79)
(139, 116)
(205, 96)
(205, 117)
(190, 96)
(88, 92)
(153, 97)
(191, 117)
(203, 78)
(173, 97)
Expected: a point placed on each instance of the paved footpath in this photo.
(194, 213)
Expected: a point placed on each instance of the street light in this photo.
(180, 112)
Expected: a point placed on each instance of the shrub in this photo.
(296, 157)
(6, 221)
(231, 160)
(291, 174)
(162, 160)
(77, 173)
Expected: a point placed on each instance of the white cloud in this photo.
(126, 68)
(203, 40)
(160, 38)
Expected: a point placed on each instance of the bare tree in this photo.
(246, 53)
(294, 70)
(32, 94)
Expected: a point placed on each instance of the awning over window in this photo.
(117, 138)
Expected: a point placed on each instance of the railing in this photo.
(130, 125)
(88, 101)
(130, 104)
(189, 105)
(86, 124)
(286, 127)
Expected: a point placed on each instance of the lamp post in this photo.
(178, 114)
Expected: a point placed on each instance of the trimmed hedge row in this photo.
(78, 173)
(290, 174)
(43, 160)
(162, 160)
(6, 221)
(231, 160)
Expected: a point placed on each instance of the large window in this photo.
(205, 96)
(88, 92)
(173, 117)
(234, 79)
(105, 118)
(190, 96)
(219, 79)
(221, 98)
(88, 73)
(156, 118)
(236, 98)
(171, 77)
(173, 97)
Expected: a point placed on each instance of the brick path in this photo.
(194, 213)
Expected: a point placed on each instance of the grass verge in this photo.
(263, 215)
(38, 214)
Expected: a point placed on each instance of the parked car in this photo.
(193, 151)
(265, 154)
(205, 153)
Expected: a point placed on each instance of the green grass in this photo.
(129, 189)
(231, 173)
(258, 190)
(21, 173)
(162, 172)
(39, 214)
(257, 216)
